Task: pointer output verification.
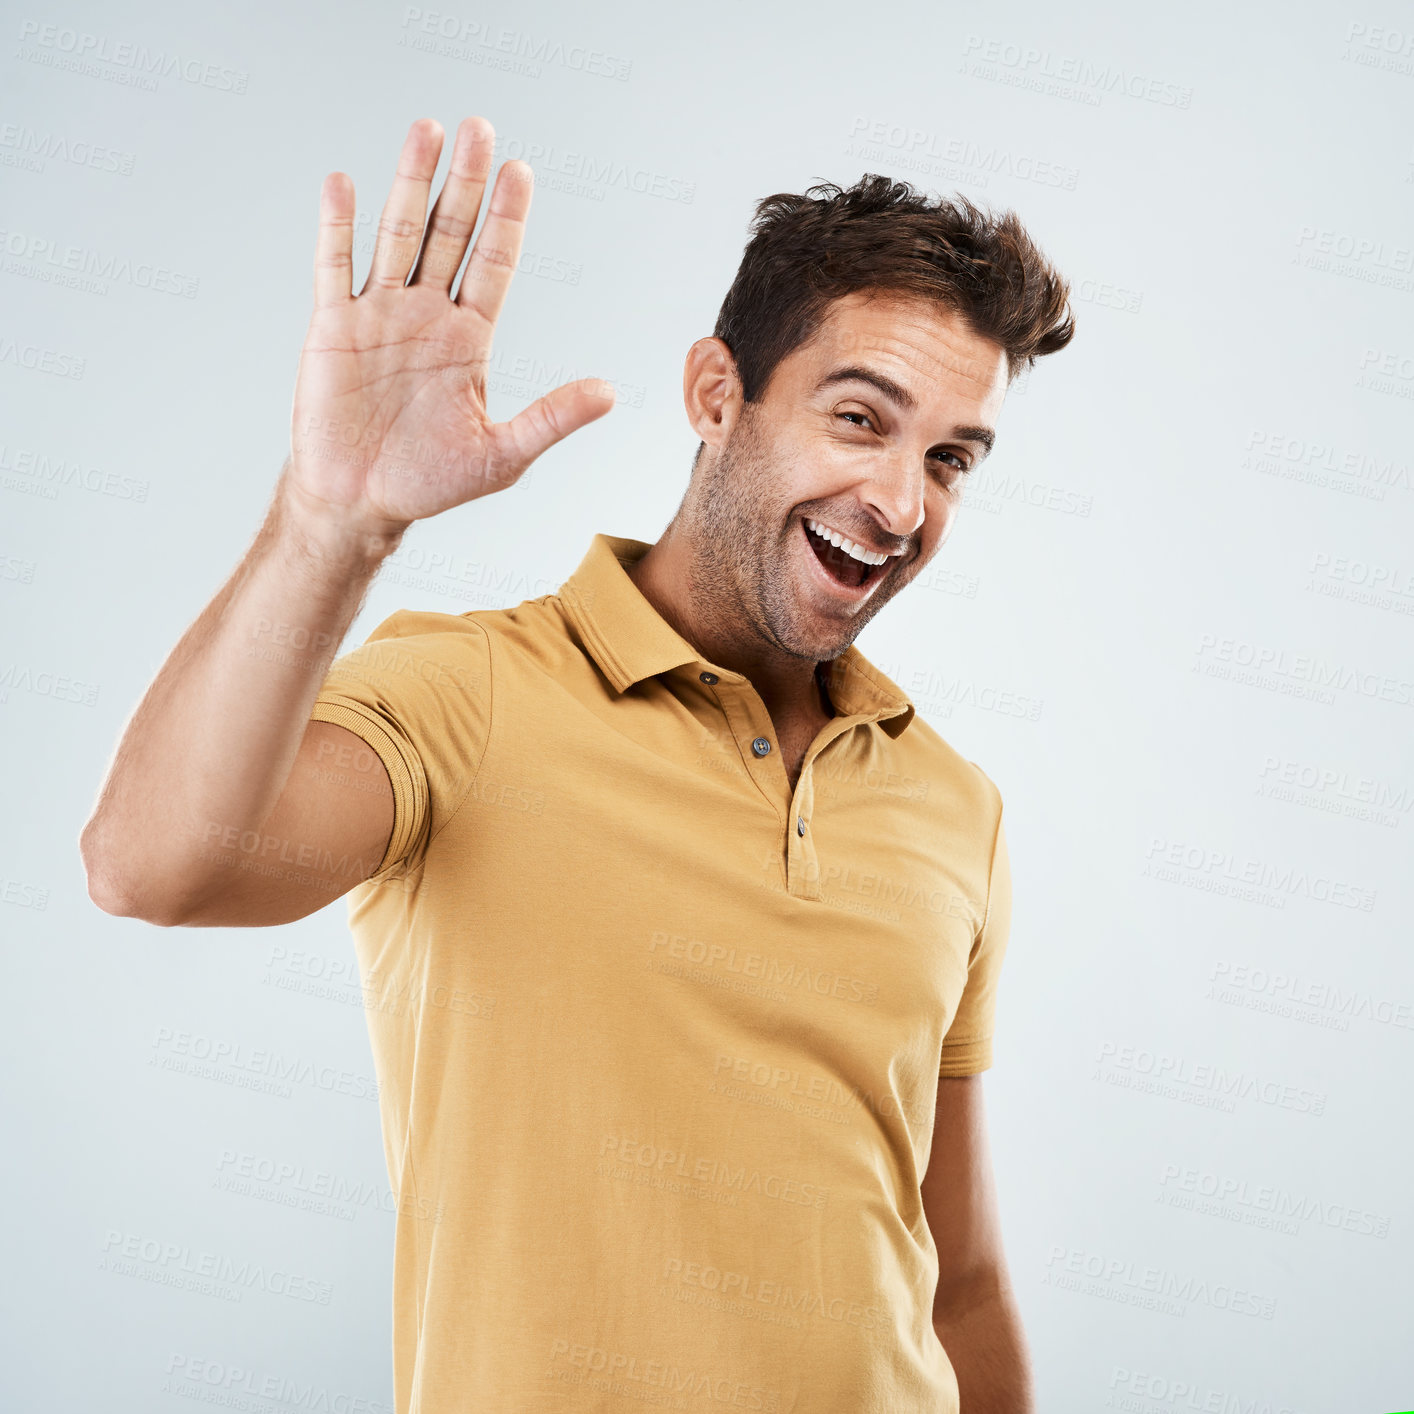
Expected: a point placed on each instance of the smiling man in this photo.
(823, 491)
(679, 930)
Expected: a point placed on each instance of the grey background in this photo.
(1214, 476)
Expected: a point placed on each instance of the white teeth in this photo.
(855, 552)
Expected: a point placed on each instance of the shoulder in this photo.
(959, 782)
(535, 634)
(540, 618)
(421, 646)
(521, 643)
(424, 623)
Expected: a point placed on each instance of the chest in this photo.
(841, 861)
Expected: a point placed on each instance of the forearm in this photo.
(215, 736)
(987, 1346)
(400, 366)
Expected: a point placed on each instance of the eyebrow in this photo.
(897, 393)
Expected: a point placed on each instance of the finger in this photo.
(405, 211)
(333, 250)
(493, 257)
(517, 443)
(454, 214)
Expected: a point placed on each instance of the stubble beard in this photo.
(743, 567)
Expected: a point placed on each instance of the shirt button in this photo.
(708, 678)
(799, 825)
(761, 746)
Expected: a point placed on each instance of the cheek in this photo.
(942, 511)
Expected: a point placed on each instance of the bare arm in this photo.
(220, 766)
(201, 767)
(974, 1312)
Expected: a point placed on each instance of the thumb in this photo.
(549, 420)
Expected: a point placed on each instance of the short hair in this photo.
(807, 250)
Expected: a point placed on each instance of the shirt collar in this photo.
(631, 640)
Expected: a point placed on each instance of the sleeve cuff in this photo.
(966, 1057)
(409, 783)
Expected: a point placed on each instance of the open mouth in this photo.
(842, 567)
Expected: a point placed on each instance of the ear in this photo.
(711, 390)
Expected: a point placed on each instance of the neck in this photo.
(789, 686)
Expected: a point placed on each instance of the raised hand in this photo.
(389, 423)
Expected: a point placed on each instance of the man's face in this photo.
(868, 430)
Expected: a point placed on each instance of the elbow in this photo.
(120, 902)
(100, 879)
(112, 888)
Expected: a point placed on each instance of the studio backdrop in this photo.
(1174, 623)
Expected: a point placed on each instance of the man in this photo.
(679, 931)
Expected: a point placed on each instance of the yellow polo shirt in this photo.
(656, 1035)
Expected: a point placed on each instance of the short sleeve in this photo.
(418, 693)
(967, 1047)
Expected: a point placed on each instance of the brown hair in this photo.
(880, 234)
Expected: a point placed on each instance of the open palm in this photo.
(389, 422)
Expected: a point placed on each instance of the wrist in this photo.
(319, 530)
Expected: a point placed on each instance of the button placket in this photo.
(748, 722)
(745, 713)
(802, 863)
(802, 858)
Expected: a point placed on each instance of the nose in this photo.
(893, 494)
